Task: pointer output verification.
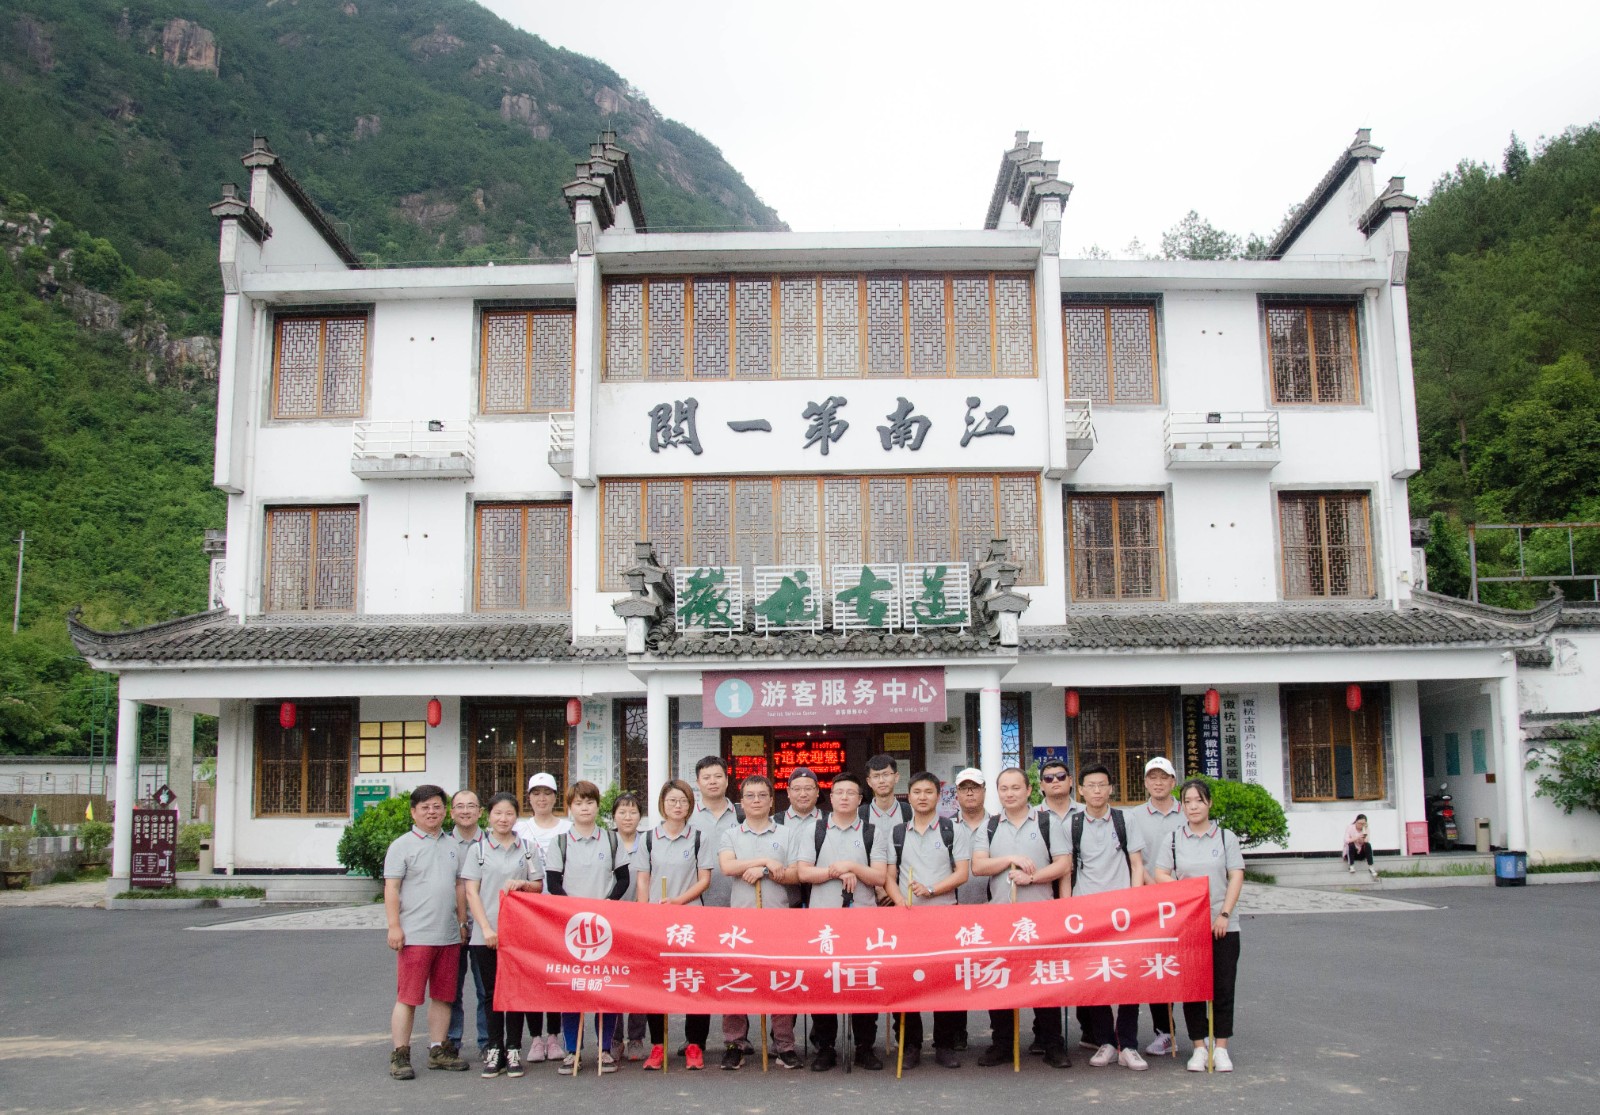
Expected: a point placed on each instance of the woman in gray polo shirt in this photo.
(1203, 849)
(491, 861)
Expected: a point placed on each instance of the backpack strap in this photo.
(994, 826)
(947, 833)
(561, 843)
(899, 838)
(612, 834)
(1120, 823)
(1077, 845)
(738, 812)
(650, 847)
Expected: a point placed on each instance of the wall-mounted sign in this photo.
(823, 756)
(861, 696)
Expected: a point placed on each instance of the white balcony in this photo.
(560, 455)
(1223, 439)
(1080, 431)
(431, 449)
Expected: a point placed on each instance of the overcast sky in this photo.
(881, 114)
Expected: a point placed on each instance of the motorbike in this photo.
(1442, 831)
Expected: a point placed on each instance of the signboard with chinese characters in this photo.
(1249, 748)
(1202, 739)
(742, 698)
(824, 755)
(155, 848)
(708, 598)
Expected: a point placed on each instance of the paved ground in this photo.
(1461, 1000)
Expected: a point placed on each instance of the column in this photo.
(658, 741)
(127, 794)
(1508, 727)
(223, 838)
(989, 737)
(180, 763)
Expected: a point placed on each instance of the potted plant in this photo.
(17, 868)
(95, 838)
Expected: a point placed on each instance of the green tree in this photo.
(1546, 454)
(1249, 812)
(1194, 237)
(1569, 768)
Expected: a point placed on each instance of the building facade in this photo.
(807, 497)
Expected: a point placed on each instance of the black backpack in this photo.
(1042, 816)
(822, 837)
(1118, 823)
(947, 833)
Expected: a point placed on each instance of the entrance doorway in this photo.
(776, 751)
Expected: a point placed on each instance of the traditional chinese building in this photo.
(807, 497)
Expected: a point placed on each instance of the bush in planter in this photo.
(96, 838)
(1253, 815)
(366, 842)
(189, 839)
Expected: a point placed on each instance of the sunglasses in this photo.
(1053, 777)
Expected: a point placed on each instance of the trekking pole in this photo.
(763, 1017)
(911, 900)
(666, 1019)
(577, 1051)
(600, 1047)
(1172, 1028)
(1211, 1039)
(1016, 1013)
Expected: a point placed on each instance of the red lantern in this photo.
(1352, 697)
(574, 712)
(435, 713)
(1213, 702)
(286, 715)
(1072, 703)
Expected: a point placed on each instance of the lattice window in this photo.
(527, 361)
(312, 559)
(889, 537)
(1326, 546)
(930, 510)
(799, 521)
(625, 330)
(754, 534)
(710, 516)
(303, 771)
(633, 743)
(667, 357)
(1013, 325)
(798, 328)
(841, 327)
(1313, 354)
(711, 356)
(622, 524)
(1116, 547)
(1334, 754)
(1111, 353)
(844, 518)
(524, 557)
(1123, 731)
(976, 523)
(974, 333)
(886, 341)
(925, 303)
(319, 366)
(752, 329)
(509, 741)
(665, 521)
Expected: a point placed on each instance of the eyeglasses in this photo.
(1062, 777)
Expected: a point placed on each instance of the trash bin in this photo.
(1482, 827)
(207, 863)
(1511, 869)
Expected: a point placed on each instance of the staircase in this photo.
(1331, 872)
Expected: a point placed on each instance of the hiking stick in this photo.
(601, 1048)
(1172, 1031)
(763, 1017)
(1211, 1039)
(577, 1051)
(900, 1062)
(1016, 1013)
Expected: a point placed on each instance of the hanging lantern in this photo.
(286, 715)
(574, 712)
(435, 713)
(1072, 704)
(1213, 702)
(1352, 697)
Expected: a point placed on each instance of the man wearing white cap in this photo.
(1150, 824)
(540, 830)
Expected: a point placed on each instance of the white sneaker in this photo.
(1197, 1059)
(1161, 1046)
(554, 1047)
(567, 1063)
(1130, 1059)
(535, 1050)
(1373, 871)
(1352, 869)
(1103, 1056)
(608, 1063)
(1223, 1062)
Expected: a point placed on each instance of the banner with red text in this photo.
(1145, 945)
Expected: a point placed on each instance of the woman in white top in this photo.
(539, 830)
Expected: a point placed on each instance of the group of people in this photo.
(442, 894)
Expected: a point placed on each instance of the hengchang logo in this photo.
(588, 936)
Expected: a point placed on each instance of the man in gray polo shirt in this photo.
(1055, 784)
(927, 859)
(1021, 866)
(1104, 858)
(419, 903)
(799, 822)
(970, 788)
(1151, 824)
(715, 816)
(465, 811)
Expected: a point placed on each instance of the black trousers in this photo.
(1224, 973)
(863, 1028)
(1352, 853)
(1161, 1017)
(505, 1026)
(696, 1028)
(1047, 1022)
(947, 1026)
(1124, 1033)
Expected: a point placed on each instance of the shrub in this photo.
(1569, 769)
(189, 838)
(366, 842)
(96, 838)
(1252, 814)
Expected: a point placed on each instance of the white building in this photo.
(439, 479)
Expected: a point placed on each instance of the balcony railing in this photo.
(1223, 439)
(560, 455)
(428, 449)
(1080, 431)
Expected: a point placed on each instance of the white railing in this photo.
(434, 447)
(1080, 420)
(1241, 438)
(560, 455)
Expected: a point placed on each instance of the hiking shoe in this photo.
(961, 1044)
(694, 1058)
(443, 1057)
(514, 1067)
(634, 1050)
(994, 1055)
(946, 1059)
(1057, 1057)
(824, 1060)
(1222, 1062)
(789, 1059)
(732, 1059)
(567, 1064)
(1130, 1059)
(1197, 1059)
(400, 1063)
(1103, 1056)
(657, 1058)
(868, 1059)
(608, 1063)
(1161, 1047)
(913, 1057)
(554, 1048)
(494, 1062)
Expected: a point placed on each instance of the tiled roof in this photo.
(667, 643)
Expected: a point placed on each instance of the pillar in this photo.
(127, 793)
(180, 762)
(230, 753)
(1508, 729)
(989, 750)
(658, 738)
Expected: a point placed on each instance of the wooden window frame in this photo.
(1308, 308)
(521, 706)
(1373, 713)
(1327, 593)
(1131, 782)
(775, 324)
(522, 559)
(527, 360)
(266, 719)
(1116, 526)
(324, 319)
(310, 570)
(1109, 356)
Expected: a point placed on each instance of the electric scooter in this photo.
(1441, 811)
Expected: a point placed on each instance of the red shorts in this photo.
(429, 969)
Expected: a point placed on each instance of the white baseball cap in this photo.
(972, 774)
(542, 782)
(1161, 763)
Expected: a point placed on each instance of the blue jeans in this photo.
(457, 1014)
(605, 1027)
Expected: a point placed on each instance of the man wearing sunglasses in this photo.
(1055, 780)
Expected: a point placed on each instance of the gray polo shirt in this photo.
(1101, 863)
(839, 844)
(1210, 856)
(463, 844)
(771, 842)
(798, 828)
(492, 866)
(1147, 827)
(1022, 840)
(635, 856)
(975, 890)
(426, 867)
(587, 867)
(925, 857)
(711, 830)
(673, 858)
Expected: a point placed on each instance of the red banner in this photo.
(1145, 945)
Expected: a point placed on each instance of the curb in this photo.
(182, 903)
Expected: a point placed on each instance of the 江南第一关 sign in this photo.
(759, 697)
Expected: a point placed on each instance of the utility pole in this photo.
(16, 608)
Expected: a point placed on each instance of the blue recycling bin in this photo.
(1511, 869)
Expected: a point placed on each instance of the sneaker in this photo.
(554, 1048)
(961, 1044)
(994, 1055)
(1222, 1062)
(657, 1058)
(567, 1064)
(634, 1050)
(946, 1058)
(493, 1062)
(1130, 1059)
(616, 1049)
(1103, 1056)
(444, 1056)
(513, 1063)
(732, 1059)
(694, 1058)
(400, 1063)
(867, 1058)
(1057, 1058)
(608, 1063)
(789, 1059)
(1161, 1047)
(536, 1050)
(1197, 1059)
(913, 1057)
(824, 1060)
(1036, 1047)
(1373, 871)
